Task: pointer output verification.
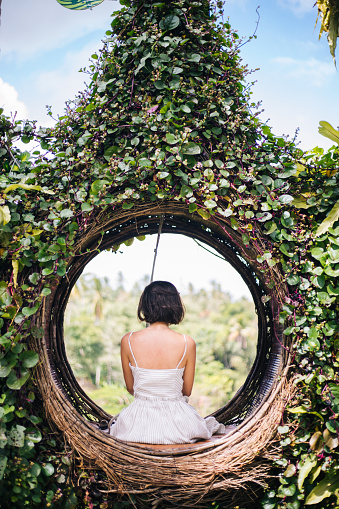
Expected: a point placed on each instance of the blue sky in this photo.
(43, 45)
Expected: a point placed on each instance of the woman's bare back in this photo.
(158, 347)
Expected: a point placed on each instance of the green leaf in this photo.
(283, 429)
(192, 208)
(204, 213)
(5, 215)
(34, 278)
(97, 186)
(300, 202)
(285, 249)
(303, 410)
(29, 359)
(210, 204)
(35, 470)
(34, 435)
(268, 505)
(334, 392)
(163, 174)
(17, 436)
(159, 85)
(317, 252)
(190, 148)
(171, 139)
(305, 467)
(66, 213)
(293, 280)
(287, 491)
(129, 242)
(327, 130)
(48, 469)
(332, 272)
(27, 187)
(186, 192)
(110, 151)
(4, 369)
(332, 426)
(285, 199)
(329, 220)
(324, 489)
(195, 57)
(170, 22)
(165, 108)
(127, 206)
(86, 207)
(15, 383)
(30, 311)
(5, 296)
(185, 108)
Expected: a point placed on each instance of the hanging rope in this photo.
(161, 222)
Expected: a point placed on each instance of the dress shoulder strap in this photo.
(129, 344)
(182, 358)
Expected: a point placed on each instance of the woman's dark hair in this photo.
(160, 302)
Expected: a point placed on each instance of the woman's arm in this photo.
(190, 367)
(128, 376)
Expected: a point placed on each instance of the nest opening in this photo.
(72, 411)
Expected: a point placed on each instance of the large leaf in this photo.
(17, 436)
(27, 187)
(300, 202)
(29, 359)
(327, 130)
(15, 383)
(190, 148)
(305, 468)
(169, 22)
(79, 4)
(5, 215)
(324, 489)
(328, 12)
(331, 218)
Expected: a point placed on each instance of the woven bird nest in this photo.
(184, 475)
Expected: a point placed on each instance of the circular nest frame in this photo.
(233, 468)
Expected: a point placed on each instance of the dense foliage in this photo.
(167, 116)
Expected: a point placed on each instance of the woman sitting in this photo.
(158, 366)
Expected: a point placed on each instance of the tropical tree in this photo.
(328, 11)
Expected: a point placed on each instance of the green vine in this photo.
(167, 116)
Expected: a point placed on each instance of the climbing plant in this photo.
(167, 117)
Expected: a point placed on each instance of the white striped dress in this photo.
(160, 414)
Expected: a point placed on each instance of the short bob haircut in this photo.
(160, 302)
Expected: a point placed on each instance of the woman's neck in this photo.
(159, 325)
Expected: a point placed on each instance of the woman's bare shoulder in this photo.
(190, 341)
(124, 339)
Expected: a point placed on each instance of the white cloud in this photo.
(9, 101)
(298, 7)
(316, 72)
(54, 88)
(30, 27)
